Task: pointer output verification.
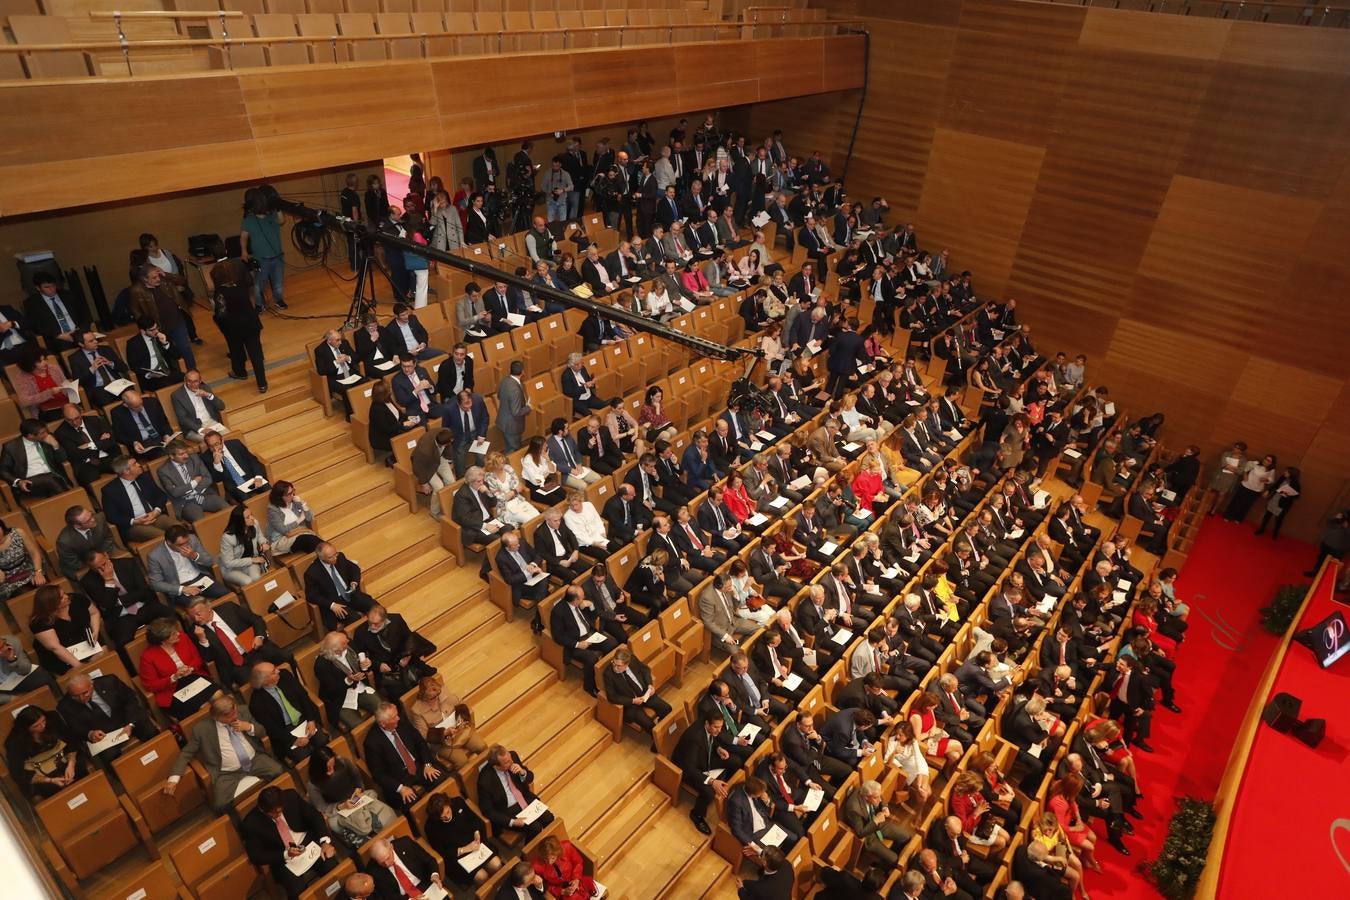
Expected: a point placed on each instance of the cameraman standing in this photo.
(260, 243)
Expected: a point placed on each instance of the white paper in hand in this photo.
(480, 445)
(828, 548)
(792, 681)
(813, 799)
(298, 865)
(595, 637)
(712, 775)
(471, 861)
(185, 694)
(756, 520)
(774, 837)
(111, 739)
(750, 731)
(1123, 584)
(1071, 453)
(842, 636)
(533, 811)
(797, 484)
(778, 502)
(349, 701)
(301, 730)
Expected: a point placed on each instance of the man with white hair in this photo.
(868, 816)
(335, 360)
(94, 708)
(400, 759)
(579, 386)
(401, 868)
(280, 704)
(346, 682)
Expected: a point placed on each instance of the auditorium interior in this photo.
(679, 449)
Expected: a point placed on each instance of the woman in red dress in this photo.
(1104, 735)
(561, 867)
(738, 499)
(799, 567)
(1064, 804)
(867, 484)
(929, 733)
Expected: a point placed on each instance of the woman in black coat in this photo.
(387, 421)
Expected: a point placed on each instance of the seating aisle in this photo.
(1228, 577)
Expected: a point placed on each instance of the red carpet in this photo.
(1229, 576)
(1298, 790)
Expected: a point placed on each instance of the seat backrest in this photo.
(48, 30)
(205, 850)
(149, 763)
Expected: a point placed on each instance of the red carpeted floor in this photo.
(1228, 577)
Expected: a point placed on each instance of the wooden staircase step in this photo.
(628, 817)
(499, 652)
(463, 624)
(430, 585)
(296, 421)
(315, 436)
(534, 716)
(653, 855)
(427, 549)
(500, 699)
(570, 751)
(583, 803)
(251, 408)
(366, 514)
(350, 494)
(294, 462)
(323, 464)
(700, 877)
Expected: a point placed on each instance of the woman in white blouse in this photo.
(586, 526)
(1256, 478)
(903, 752)
(539, 471)
(859, 426)
(289, 521)
(771, 345)
(243, 548)
(658, 302)
(501, 482)
(750, 267)
(742, 588)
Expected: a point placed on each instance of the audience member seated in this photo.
(281, 828)
(346, 682)
(521, 568)
(140, 425)
(234, 467)
(228, 743)
(401, 868)
(333, 587)
(867, 816)
(135, 504)
(42, 757)
(444, 722)
(33, 463)
(87, 440)
(180, 569)
(506, 791)
(65, 628)
(352, 811)
(188, 483)
(98, 708)
(574, 625)
(401, 762)
(97, 368)
(396, 651)
(335, 360)
(282, 706)
(454, 831)
(195, 408)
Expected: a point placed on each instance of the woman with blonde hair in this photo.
(502, 482)
(978, 822)
(563, 870)
(1047, 832)
(1063, 805)
(445, 722)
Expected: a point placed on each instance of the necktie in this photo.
(241, 749)
(337, 580)
(637, 684)
(287, 838)
(404, 881)
(236, 474)
(721, 523)
(625, 512)
(143, 421)
(290, 712)
(567, 453)
(468, 422)
(1061, 653)
(515, 790)
(408, 762)
(693, 538)
(62, 319)
(729, 718)
(783, 789)
(230, 647)
(98, 701)
(97, 372)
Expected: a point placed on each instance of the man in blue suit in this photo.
(751, 813)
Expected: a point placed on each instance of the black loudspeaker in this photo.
(201, 246)
(33, 262)
(1281, 713)
(1311, 732)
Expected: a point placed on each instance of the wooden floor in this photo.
(601, 789)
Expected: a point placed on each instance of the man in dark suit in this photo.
(119, 589)
(1040, 876)
(524, 883)
(33, 463)
(400, 760)
(579, 386)
(956, 717)
(88, 442)
(95, 367)
(558, 548)
(846, 354)
(152, 356)
(574, 626)
(233, 466)
(414, 391)
(135, 504)
(333, 584)
(84, 531)
(506, 790)
(46, 314)
(750, 689)
(1132, 700)
(775, 881)
(15, 338)
(140, 425)
(787, 789)
(339, 670)
(401, 866)
(455, 374)
(468, 422)
(335, 360)
(624, 516)
(705, 748)
(269, 833)
(394, 650)
(976, 682)
(628, 684)
(280, 704)
(519, 565)
(94, 708)
(404, 336)
(233, 636)
(804, 749)
(867, 816)
(749, 805)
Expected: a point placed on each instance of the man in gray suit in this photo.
(178, 562)
(195, 407)
(474, 321)
(229, 744)
(85, 530)
(717, 610)
(186, 480)
(512, 406)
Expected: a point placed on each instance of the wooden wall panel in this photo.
(175, 132)
(1168, 194)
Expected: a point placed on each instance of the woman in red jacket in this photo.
(738, 499)
(169, 663)
(867, 484)
(978, 823)
(561, 867)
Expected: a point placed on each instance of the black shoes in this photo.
(1143, 745)
(1133, 813)
(238, 377)
(1172, 706)
(1115, 841)
(700, 824)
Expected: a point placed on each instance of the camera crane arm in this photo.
(343, 225)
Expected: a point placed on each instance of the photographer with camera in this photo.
(557, 188)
